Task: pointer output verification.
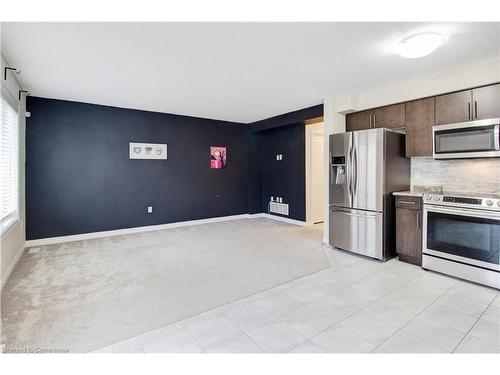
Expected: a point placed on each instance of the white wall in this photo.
(454, 79)
(12, 242)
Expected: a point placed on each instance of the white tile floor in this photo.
(356, 306)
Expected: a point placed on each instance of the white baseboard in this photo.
(280, 218)
(117, 232)
(6, 276)
(150, 228)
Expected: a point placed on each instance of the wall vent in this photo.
(278, 208)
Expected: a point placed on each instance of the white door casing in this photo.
(315, 196)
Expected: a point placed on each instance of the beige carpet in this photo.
(87, 294)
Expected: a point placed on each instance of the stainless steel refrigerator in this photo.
(366, 166)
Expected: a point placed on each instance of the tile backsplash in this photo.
(460, 175)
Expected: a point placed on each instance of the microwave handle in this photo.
(496, 133)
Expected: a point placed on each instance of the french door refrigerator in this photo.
(366, 166)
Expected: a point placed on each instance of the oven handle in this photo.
(463, 212)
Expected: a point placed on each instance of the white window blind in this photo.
(9, 160)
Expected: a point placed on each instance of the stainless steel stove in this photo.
(461, 237)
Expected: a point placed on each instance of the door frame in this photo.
(310, 126)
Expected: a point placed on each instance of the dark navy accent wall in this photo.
(283, 134)
(79, 178)
(284, 178)
(254, 172)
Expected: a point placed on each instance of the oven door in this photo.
(467, 140)
(462, 235)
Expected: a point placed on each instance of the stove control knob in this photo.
(489, 202)
(436, 198)
(498, 203)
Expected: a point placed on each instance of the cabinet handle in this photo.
(468, 107)
(418, 220)
(407, 202)
(475, 108)
(370, 121)
(374, 121)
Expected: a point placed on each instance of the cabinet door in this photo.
(419, 122)
(391, 116)
(486, 102)
(455, 107)
(358, 121)
(409, 235)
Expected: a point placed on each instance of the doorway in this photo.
(314, 173)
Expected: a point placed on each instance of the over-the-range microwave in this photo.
(471, 139)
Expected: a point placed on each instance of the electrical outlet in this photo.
(150, 209)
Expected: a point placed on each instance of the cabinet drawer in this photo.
(409, 202)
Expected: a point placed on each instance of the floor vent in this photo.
(278, 208)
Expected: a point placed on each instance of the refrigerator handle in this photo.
(331, 167)
(355, 189)
(349, 174)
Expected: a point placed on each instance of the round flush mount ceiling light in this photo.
(419, 45)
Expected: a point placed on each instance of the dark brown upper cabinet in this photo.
(486, 102)
(475, 104)
(419, 122)
(454, 107)
(358, 121)
(391, 116)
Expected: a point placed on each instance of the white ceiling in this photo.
(230, 71)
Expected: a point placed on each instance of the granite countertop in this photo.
(419, 191)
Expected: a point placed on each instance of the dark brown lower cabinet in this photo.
(409, 229)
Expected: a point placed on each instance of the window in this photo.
(9, 161)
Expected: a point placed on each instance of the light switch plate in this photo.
(150, 209)
(148, 151)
